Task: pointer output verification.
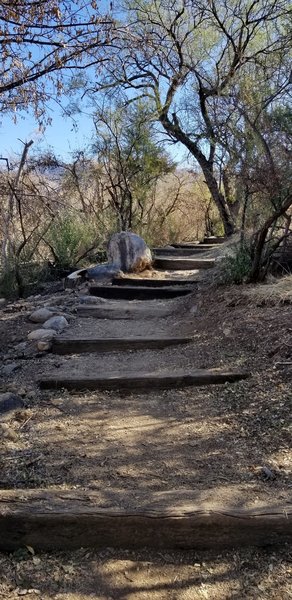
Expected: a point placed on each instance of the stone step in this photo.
(151, 282)
(132, 292)
(176, 519)
(70, 345)
(146, 381)
(183, 264)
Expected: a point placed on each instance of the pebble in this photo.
(10, 368)
(92, 300)
(56, 323)
(41, 334)
(44, 345)
(9, 433)
(21, 347)
(10, 402)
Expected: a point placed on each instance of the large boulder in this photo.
(129, 252)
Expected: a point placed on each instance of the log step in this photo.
(101, 345)
(67, 520)
(214, 240)
(130, 292)
(124, 281)
(124, 310)
(146, 381)
(183, 264)
(182, 251)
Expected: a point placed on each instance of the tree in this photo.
(40, 40)
(185, 56)
(131, 158)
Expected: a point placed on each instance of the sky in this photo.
(63, 136)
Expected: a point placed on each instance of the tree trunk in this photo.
(174, 129)
(260, 239)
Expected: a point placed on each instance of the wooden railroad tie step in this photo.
(214, 240)
(140, 282)
(67, 520)
(138, 293)
(143, 381)
(181, 251)
(185, 264)
(124, 310)
(78, 345)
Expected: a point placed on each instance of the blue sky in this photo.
(62, 137)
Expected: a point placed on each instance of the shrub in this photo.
(69, 238)
(236, 268)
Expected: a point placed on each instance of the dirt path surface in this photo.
(229, 443)
(144, 575)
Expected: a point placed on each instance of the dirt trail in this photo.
(214, 441)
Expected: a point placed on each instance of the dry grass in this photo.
(275, 291)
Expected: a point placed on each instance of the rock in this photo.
(56, 323)
(3, 302)
(44, 345)
(92, 300)
(101, 273)
(10, 368)
(41, 334)
(10, 402)
(129, 252)
(41, 315)
(21, 347)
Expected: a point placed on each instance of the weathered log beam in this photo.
(185, 264)
(144, 381)
(131, 292)
(78, 345)
(66, 520)
(140, 282)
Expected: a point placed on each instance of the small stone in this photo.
(9, 402)
(41, 334)
(10, 434)
(10, 368)
(21, 347)
(3, 302)
(92, 300)
(56, 323)
(267, 474)
(44, 345)
(41, 315)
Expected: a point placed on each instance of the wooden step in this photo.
(154, 282)
(181, 252)
(124, 309)
(77, 345)
(117, 380)
(132, 292)
(183, 264)
(185, 244)
(67, 520)
(214, 240)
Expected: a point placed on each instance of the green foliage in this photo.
(235, 268)
(131, 157)
(69, 238)
(30, 274)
